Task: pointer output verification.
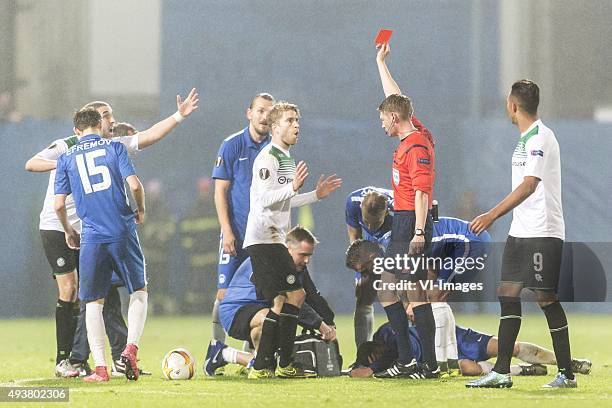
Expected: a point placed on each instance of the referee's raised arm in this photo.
(389, 85)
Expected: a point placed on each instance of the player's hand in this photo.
(417, 245)
(73, 239)
(301, 174)
(328, 332)
(481, 223)
(410, 312)
(140, 216)
(229, 243)
(327, 186)
(383, 51)
(187, 106)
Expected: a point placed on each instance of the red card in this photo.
(383, 36)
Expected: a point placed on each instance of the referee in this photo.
(532, 255)
(412, 228)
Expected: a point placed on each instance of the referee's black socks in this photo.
(426, 327)
(557, 324)
(287, 324)
(399, 322)
(509, 326)
(267, 342)
(64, 330)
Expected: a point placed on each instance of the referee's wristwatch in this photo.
(419, 232)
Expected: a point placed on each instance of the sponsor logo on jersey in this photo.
(537, 153)
(219, 161)
(60, 262)
(291, 279)
(284, 180)
(221, 279)
(423, 160)
(538, 277)
(396, 176)
(264, 173)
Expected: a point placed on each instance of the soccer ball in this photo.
(178, 364)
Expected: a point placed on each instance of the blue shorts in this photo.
(472, 345)
(97, 262)
(228, 264)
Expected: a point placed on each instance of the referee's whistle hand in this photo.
(481, 223)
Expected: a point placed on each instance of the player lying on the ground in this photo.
(242, 313)
(452, 243)
(474, 350)
(62, 259)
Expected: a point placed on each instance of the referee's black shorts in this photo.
(274, 272)
(61, 258)
(402, 232)
(533, 262)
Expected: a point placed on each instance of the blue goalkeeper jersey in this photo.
(93, 171)
(353, 216)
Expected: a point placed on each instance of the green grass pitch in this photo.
(28, 349)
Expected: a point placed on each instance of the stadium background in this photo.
(456, 60)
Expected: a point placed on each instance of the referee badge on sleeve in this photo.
(218, 161)
(264, 173)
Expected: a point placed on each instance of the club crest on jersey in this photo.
(218, 161)
(537, 153)
(222, 279)
(291, 279)
(396, 176)
(60, 262)
(264, 173)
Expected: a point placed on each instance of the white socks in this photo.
(446, 338)
(137, 315)
(534, 354)
(96, 332)
(230, 355)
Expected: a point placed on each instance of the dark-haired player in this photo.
(533, 251)
(63, 260)
(94, 171)
(474, 350)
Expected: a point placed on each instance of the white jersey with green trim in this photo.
(48, 217)
(541, 214)
(272, 197)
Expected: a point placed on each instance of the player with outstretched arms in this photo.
(274, 191)
(94, 171)
(63, 260)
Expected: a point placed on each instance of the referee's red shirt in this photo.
(413, 167)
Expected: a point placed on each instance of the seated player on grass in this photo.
(242, 313)
(473, 348)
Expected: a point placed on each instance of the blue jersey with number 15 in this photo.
(93, 171)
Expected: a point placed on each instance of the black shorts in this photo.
(533, 262)
(402, 232)
(241, 325)
(61, 258)
(273, 270)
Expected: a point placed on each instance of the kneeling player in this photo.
(242, 313)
